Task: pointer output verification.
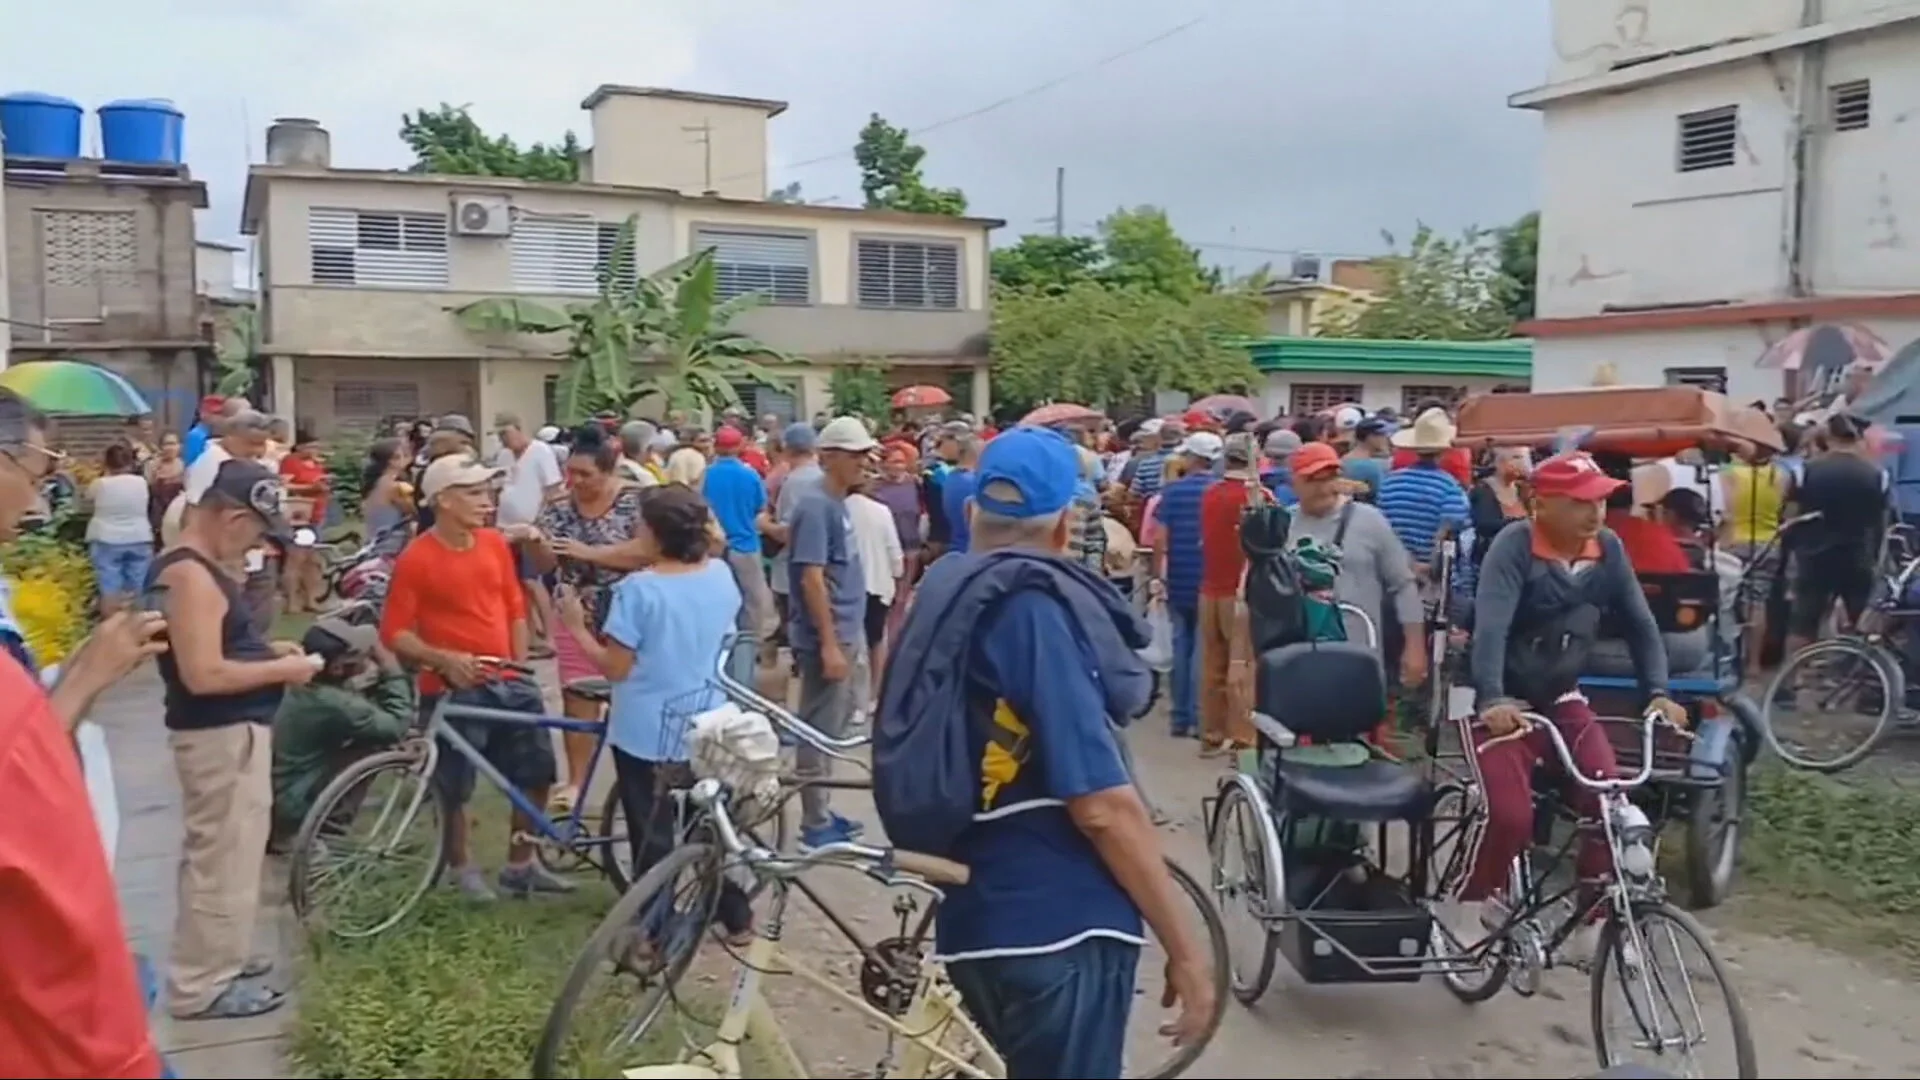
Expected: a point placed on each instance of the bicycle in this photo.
(892, 969)
(396, 791)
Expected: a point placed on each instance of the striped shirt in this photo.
(1417, 501)
(1147, 471)
(1180, 538)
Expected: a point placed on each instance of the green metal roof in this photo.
(1511, 358)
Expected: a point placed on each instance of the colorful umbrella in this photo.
(74, 388)
(1224, 405)
(921, 397)
(1048, 415)
(1827, 346)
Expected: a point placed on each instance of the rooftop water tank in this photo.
(142, 130)
(40, 125)
(300, 142)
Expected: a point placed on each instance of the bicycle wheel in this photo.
(371, 847)
(1665, 1009)
(1245, 888)
(1713, 829)
(1148, 1056)
(1831, 704)
(641, 948)
(616, 853)
(1453, 821)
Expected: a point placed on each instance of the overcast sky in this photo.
(1264, 127)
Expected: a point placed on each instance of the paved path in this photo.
(147, 861)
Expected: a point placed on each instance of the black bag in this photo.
(1276, 601)
(1545, 662)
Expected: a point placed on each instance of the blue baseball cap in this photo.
(1028, 472)
(799, 437)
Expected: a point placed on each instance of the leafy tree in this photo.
(860, 389)
(666, 334)
(1520, 261)
(890, 173)
(1143, 251)
(787, 194)
(449, 140)
(237, 352)
(1095, 344)
(1046, 262)
(1439, 289)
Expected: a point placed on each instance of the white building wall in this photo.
(1864, 213)
(1376, 391)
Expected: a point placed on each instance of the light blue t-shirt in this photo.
(675, 624)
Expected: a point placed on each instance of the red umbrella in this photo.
(921, 397)
(1224, 405)
(1048, 415)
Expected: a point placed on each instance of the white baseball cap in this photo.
(846, 433)
(1151, 425)
(455, 470)
(1204, 445)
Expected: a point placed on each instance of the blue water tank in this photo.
(40, 125)
(144, 130)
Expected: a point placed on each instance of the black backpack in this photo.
(1276, 600)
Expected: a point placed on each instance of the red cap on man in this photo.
(1313, 459)
(1576, 476)
(728, 438)
(211, 404)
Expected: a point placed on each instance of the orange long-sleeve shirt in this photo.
(463, 601)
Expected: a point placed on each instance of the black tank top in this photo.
(240, 639)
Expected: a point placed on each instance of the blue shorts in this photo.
(120, 569)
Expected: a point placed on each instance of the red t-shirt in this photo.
(464, 601)
(70, 1003)
(1221, 560)
(756, 459)
(304, 472)
(1457, 463)
(1651, 547)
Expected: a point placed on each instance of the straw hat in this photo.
(1432, 431)
(1651, 482)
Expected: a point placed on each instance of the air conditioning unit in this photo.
(1305, 268)
(482, 215)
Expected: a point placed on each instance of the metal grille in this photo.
(555, 254)
(759, 400)
(89, 248)
(364, 247)
(775, 265)
(1412, 397)
(364, 404)
(1708, 138)
(1704, 378)
(1310, 398)
(908, 274)
(1852, 104)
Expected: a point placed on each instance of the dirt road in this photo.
(1813, 1013)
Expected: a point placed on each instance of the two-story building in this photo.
(100, 267)
(363, 269)
(1717, 173)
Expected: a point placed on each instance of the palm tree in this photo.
(665, 334)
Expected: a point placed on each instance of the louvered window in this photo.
(1852, 105)
(607, 238)
(761, 401)
(778, 266)
(365, 405)
(366, 247)
(555, 254)
(908, 274)
(1310, 398)
(1413, 397)
(1709, 138)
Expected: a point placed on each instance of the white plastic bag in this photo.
(1159, 650)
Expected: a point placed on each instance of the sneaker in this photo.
(473, 885)
(832, 832)
(853, 829)
(530, 879)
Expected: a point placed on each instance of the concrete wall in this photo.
(1374, 391)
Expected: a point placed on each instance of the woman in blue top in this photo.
(660, 646)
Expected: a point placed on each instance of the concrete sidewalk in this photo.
(146, 865)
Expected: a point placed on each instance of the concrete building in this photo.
(361, 269)
(100, 267)
(1303, 375)
(1717, 173)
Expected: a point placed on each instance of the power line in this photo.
(1010, 99)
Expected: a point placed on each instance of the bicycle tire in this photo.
(618, 920)
(331, 798)
(1255, 986)
(1745, 1058)
(1892, 688)
(1491, 979)
(1184, 1056)
(618, 874)
(1711, 870)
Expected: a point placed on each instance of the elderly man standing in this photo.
(243, 435)
(533, 481)
(802, 479)
(637, 465)
(1376, 576)
(737, 497)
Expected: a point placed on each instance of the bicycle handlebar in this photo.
(888, 864)
(839, 749)
(1532, 721)
(501, 663)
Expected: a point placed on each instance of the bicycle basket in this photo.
(721, 741)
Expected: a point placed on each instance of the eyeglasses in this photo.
(49, 458)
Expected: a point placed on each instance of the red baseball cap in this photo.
(1197, 418)
(1314, 459)
(212, 403)
(728, 438)
(1576, 476)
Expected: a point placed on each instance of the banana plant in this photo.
(237, 353)
(664, 334)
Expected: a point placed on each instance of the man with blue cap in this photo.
(996, 745)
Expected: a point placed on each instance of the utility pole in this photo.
(703, 134)
(1060, 201)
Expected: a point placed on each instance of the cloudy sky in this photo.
(1264, 126)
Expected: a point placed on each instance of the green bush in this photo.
(346, 460)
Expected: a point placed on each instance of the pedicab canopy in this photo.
(1640, 421)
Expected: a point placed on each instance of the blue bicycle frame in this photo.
(568, 831)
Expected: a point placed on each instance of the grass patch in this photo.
(1836, 862)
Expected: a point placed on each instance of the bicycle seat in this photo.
(591, 688)
(1333, 692)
